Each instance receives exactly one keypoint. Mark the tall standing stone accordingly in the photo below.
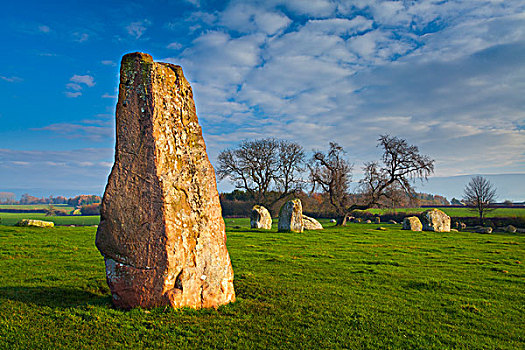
(161, 231)
(291, 217)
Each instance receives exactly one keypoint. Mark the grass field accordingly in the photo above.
(459, 212)
(352, 287)
(13, 218)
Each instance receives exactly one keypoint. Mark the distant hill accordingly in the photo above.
(508, 186)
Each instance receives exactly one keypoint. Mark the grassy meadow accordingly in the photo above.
(13, 218)
(352, 287)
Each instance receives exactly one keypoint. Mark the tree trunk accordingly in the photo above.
(341, 221)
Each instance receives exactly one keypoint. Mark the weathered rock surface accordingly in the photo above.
(510, 229)
(260, 218)
(35, 223)
(484, 230)
(412, 223)
(435, 220)
(311, 224)
(291, 217)
(161, 231)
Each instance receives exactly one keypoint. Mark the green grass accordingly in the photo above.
(352, 287)
(36, 206)
(459, 212)
(13, 218)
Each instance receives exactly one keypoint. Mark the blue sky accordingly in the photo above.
(446, 75)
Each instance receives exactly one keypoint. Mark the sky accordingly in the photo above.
(447, 76)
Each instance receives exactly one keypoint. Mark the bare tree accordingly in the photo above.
(400, 165)
(479, 195)
(267, 169)
(333, 173)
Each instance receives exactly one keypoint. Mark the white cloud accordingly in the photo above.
(80, 37)
(83, 79)
(195, 3)
(106, 95)
(426, 71)
(108, 63)
(246, 18)
(44, 29)
(73, 94)
(174, 46)
(313, 8)
(137, 29)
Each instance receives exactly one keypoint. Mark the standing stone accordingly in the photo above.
(412, 223)
(435, 220)
(484, 230)
(510, 229)
(161, 231)
(260, 218)
(35, 223)
(311, 224)
(291, 217)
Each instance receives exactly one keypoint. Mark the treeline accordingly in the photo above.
(239, 203)
(77, 201)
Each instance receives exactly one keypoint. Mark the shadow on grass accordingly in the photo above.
(60, 297)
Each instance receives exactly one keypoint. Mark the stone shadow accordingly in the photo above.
(56, 297)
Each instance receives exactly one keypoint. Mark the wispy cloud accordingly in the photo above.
(108, 63)
(174, 46)
(74, 86)
(74, 89)
(80, 37)
(83, 79)
(106, 95)
(78, 169)
(137, 29)
(71, 94)
(44, 29)
(93, 131)
(11, 79)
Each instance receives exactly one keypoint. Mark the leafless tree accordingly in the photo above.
(333, 173)
(400, 165)
(479, 195)
(267, 169)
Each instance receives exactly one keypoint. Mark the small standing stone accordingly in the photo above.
(484, 230)
(311, 224)
(35, 223)
(435, 220)
(291, 217)
(510, 229)
(412, 223)
(260, 218)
